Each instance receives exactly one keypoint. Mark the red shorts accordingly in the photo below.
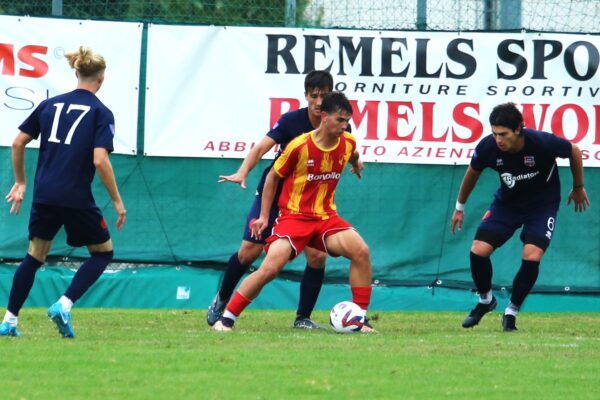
(304, 231)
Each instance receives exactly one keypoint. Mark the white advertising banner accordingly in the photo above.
(418, 97)
(33, 68)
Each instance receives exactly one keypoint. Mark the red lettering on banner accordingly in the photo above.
(394, 115)
(472, 124)
(403, 152)
(7, 58)
(224, 146)
(583, 122)
(371, 112)
(240, 146)
(466, 126)
(597, 135)
(39, 67)
(209, 146)
(529, 117)
(33, 67)
(428, 124)
(277, 108)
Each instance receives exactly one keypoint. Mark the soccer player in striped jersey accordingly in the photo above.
(310, 167)
(292, 124)
(76, 135)
(528, 197)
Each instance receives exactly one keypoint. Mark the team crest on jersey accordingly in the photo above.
(499, 162)
(529, 161)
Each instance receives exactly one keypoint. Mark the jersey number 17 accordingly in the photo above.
(59, 107)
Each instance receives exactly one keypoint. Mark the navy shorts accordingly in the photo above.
(84, 226)
(253, 214)
(500, 222)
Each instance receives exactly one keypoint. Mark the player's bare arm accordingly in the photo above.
(357, 164)
(17, 192)
(253, 157)
(268, 195)
(578, 195)
(107, 175)
(466, 187)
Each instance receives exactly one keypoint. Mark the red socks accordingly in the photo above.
(238, 303)
(361, 295)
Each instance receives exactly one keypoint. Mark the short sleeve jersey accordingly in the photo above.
(69, 127)
(529, 177)
(311, 174)
(288, 127)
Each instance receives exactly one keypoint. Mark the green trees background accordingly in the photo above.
(217, 12)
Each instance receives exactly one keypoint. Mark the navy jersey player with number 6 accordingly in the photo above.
(528, 197)
(76, 135)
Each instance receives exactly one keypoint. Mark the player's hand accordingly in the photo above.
(457, 220)
(121, 212)
(357, 168)
(580, 198)
(15, 196)
(257, 227)
(235, 178)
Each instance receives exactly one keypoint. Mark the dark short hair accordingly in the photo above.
(336, 101)
(318, 80)
(507, 114)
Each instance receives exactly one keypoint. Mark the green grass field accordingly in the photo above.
(167, 354)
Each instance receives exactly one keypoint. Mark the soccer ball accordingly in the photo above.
(346, 317)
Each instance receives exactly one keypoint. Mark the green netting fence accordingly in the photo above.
(455, 15)
(179, 215)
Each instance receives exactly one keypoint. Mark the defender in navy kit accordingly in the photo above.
(528, 197)
(76, 135)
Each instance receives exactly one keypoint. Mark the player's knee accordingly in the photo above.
(248, 253)
(316, 259)
(532, 253)
(267, 273)
(481, 248)
(361, 254)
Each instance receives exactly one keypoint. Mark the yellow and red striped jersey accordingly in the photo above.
(311, 174)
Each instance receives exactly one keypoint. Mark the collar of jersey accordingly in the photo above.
(314, 140)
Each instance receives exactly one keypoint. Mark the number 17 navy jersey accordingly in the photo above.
(70, 126)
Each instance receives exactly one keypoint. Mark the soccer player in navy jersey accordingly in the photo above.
(310, 168)
(316, 85)
(528, 197)
(76, 135)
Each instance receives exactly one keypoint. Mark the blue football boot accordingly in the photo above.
(62, 320)
(7, 329)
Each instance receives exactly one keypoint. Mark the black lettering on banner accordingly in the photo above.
(593, 60)
(514, 59)
(387, 52)
(274, 53)
(540, 57)
(365, 45)
(311, 49)
(421, 61)
(465, 59)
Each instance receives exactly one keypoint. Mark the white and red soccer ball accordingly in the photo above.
(346, 317)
